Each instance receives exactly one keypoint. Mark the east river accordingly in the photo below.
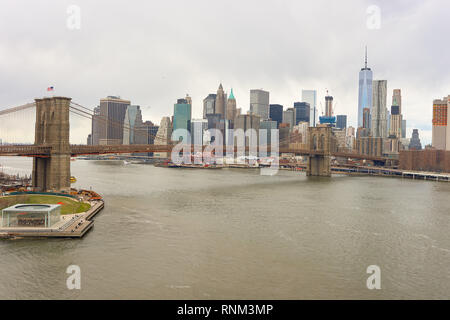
(235, 234)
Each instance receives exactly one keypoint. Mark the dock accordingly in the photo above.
(389, 172)
(378, 171)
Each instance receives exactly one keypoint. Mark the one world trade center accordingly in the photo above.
(365, 91)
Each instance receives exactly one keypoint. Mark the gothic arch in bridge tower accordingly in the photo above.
(319, 145)
(321, 142)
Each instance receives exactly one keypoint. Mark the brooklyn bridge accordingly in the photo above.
(52, 150)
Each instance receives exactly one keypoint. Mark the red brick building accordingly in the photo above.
(425, 160)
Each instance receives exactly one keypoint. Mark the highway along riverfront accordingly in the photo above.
(235, 234)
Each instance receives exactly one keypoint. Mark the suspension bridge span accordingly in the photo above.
(52, 150)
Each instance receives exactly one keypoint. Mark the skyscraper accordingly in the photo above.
(379, 110)
(213, 120)
(231, 107)
(188, 100)
(209, 105)
(133, 119)
(163, 136)
(328, 106)
(365, 91)
(310, 96)
(341, 121)
(441, 131)
(182, 115)
(367, 119)
(248, 122)
(145, 133)
(220, 102)
(396, 121)
(397, 99)
(198, 127)
(111, 119)
(267, 125)
(328, 119)
(302, 112)
(395, 126)
(403, 128)
(276, 113)
(259, 103)
(95, 130)
(350, 138)
(415, 141)
(395, 129)
(289, 117)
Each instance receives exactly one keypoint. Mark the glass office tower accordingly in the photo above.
(365, 91)
(310, 96)
(182, 115)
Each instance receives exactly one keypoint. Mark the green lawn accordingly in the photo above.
(68, 205)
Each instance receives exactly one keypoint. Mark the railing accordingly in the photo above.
(16, 193)
(109, 149)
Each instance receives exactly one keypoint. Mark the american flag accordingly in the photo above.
(50, 89)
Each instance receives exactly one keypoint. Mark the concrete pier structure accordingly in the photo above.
(52, 129)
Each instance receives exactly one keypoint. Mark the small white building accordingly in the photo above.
(31, 215)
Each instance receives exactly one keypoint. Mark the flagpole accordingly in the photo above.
(52, 89)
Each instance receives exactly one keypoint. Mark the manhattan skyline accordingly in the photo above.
(152, 61)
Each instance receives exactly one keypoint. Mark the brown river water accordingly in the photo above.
(235, 234)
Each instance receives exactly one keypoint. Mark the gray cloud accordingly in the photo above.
(154, 52)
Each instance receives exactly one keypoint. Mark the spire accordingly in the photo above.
(366, 58)
(231, 95)
(220, 87)
(366, 68)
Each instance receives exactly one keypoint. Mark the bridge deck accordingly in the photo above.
(43, 151)
(24, 150)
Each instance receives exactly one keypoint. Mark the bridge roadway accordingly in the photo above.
(25, 150)
(45, 151)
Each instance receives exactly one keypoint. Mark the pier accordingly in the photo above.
(380, 171)
(70, 226)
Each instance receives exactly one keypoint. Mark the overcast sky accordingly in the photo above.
(153, 52)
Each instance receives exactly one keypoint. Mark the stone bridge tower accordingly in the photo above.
(319, 143)
(52, 129)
